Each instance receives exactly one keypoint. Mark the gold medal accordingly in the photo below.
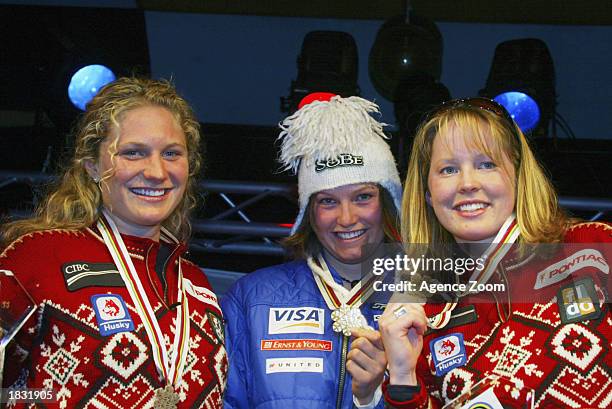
(165, 398)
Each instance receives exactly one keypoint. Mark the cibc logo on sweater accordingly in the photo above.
(296, 320)
(111, 313)
(81, 274)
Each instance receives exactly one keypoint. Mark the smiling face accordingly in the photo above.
(347, 218)
(471, 194)
(148, 172)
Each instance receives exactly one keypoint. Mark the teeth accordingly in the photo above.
(470, 207)
(149, 192)
(350, 234)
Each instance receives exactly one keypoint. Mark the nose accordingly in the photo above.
(469, 181)
(348, 215)
(155, 169)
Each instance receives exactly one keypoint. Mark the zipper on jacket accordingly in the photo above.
(163, 275)
(344, 352)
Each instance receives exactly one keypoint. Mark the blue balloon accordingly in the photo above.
(86, 82)
(522, 108)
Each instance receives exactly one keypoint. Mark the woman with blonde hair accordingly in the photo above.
(474, 186)
(122, 318)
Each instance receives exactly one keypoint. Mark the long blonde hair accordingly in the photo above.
(74, 201)
(538, 214)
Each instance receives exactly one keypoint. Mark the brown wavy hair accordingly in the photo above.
(74, 201)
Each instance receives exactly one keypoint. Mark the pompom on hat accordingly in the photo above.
(333, 141)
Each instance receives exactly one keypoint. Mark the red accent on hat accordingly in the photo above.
(315, 96)
(289, 225)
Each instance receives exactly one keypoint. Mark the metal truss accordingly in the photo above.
(246, 236)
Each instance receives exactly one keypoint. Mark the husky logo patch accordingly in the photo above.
(111, 310)
(448, 352)
(111, 314)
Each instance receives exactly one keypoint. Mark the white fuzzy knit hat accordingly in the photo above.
(335, 143)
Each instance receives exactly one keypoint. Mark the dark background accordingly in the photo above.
(234, 60)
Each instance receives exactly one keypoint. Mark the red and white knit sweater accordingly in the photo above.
(62, 270)
(566, 365)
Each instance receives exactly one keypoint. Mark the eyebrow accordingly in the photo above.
(444, 161)
(367, 187)
(144, 145)
(479, 155)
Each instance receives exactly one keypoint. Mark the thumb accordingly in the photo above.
(371, 335)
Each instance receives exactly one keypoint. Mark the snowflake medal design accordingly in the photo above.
(347, 318)
(166, 398)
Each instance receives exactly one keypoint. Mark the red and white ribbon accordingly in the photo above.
(170, 368)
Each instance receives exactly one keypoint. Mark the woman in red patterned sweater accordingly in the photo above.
(543, 334)
(122, 319)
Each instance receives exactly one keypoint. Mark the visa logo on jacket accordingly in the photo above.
(296, 320)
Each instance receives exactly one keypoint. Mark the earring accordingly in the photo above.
(96, 179)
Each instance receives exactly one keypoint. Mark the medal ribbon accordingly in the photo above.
(508, 234)
(334, 294)
(173, 372)
(442, 318)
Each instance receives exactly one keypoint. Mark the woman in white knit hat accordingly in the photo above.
(299, 334)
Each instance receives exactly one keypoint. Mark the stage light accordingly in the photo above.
(405, 65)
(522, 79)
(414, 97)
(327, 63)
(522, 108)
(45, 57)
(405, 46)
(86, 82)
